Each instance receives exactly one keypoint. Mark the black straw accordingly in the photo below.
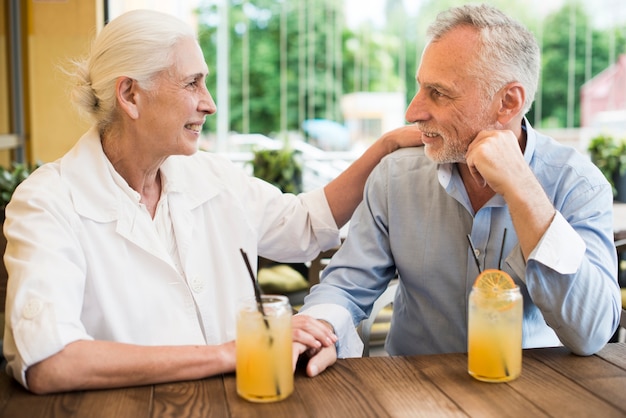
(501, 250)
(255, 284)
(469, 239)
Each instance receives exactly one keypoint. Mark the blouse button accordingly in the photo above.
(32, 309)
(197, 285)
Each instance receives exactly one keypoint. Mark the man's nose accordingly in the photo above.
(417, 110)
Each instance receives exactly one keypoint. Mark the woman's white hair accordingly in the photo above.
(509, 51)
(138, 45)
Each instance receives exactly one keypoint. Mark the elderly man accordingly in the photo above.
(483, 171)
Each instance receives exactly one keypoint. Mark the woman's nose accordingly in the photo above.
(207, 104)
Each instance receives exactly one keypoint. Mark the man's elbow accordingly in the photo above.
(586, 349)
(590, 345)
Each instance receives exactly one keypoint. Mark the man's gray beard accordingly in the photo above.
(456, 157)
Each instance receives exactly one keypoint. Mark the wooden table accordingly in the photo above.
(553, 383)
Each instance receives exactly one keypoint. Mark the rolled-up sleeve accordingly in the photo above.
(35, 335)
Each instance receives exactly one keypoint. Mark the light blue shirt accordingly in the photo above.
(414, 220)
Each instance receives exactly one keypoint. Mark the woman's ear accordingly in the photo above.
(125, 91)
(512, 98)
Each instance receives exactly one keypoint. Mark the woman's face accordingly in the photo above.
(171, 114)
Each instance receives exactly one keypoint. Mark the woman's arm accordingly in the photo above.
(346, 191)
(87, 364)
(104, 364)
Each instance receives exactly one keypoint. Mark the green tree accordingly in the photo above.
(258, 23)
(311, 88)
(555, 63)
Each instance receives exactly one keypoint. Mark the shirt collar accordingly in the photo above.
(99, 192)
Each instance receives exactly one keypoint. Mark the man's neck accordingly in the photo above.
(477, 193)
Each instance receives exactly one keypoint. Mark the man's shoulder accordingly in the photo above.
(550, 151)
(407, 163)
(408, 151)
(563, 167)
(408, 155)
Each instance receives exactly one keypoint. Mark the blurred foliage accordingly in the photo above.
(555, 61)
(11, 177)
(609, 155)
(317, 75)
(281, 167)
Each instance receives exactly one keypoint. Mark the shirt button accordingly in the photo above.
(476, 252)
(32, 309)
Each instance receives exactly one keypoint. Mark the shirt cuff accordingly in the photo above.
(560, 248)
(349, 343)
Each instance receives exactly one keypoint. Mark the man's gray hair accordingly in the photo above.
(509, 51)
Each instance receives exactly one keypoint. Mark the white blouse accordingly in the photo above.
(86, 261)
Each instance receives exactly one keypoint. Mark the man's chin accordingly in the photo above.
(440, 157)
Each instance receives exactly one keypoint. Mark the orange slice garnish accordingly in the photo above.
(494, 280)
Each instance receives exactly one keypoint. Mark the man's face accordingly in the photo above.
(450, 107)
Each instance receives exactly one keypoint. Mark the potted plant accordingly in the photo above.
(609, 155)
(282, 167)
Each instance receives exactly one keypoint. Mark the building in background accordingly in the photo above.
(368, 115)
(605, 92)
(603, 103)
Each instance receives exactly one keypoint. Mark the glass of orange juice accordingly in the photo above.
(495, 328)
(264, 371)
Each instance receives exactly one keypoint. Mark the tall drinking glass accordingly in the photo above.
(495, 334)
(264, 350)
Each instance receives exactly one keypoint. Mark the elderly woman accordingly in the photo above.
(123, 255)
